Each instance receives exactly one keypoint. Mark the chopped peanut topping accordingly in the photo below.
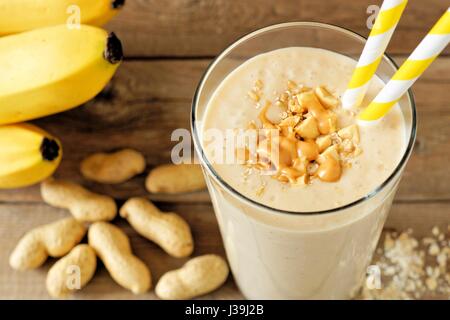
(329, 152)
(329, 170)
(323, 142)
(267, 124)
(289, 122)
(308, 129)
(326, 98)
(351, 133)
(309, 101)
(307, 141)
(292, 86)
(308, 149)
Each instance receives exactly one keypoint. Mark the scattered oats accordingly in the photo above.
(247, 172)
(335, 138)
(441, 259)
(410, 286)
(436, 272)
(254, 96)
(428, 241)
(388, 242)
(411, 269)
(429, 271)
(433, 249)
(357, 152)
(419, 283)
(260, 190)
(284, 97)
(259, 84)
(389, 271)
(431, 283)
(291, 85)
(256, 93)
(435, 231)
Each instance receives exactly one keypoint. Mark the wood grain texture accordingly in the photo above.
(206, 27)
(147, 100)
(16, 219)
(151, 96)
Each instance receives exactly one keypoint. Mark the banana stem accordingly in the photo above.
(117, 4)
(113, 51)
(49, 149)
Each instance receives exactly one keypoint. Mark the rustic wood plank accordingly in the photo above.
(205, 27)
(16, 219)
(421, 217)
(147, 100)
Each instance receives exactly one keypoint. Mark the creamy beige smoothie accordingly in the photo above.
(381, 145)
(278, 255)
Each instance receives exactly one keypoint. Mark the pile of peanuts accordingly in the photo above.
(92, 213)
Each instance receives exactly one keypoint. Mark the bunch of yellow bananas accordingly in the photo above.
(50, 61)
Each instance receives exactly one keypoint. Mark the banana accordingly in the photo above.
(53, 69)
(23, 15)
(27, 155)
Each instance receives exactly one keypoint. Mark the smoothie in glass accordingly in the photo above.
(302, 224)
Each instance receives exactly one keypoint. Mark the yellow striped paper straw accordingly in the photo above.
(421, 58)
(385, 24)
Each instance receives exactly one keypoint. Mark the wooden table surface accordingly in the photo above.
(168, 45)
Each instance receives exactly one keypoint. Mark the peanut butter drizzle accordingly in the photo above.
(308, 149)
(330, 170)
(267, 124)
(288, 152)
(310, 102)
(297, 153)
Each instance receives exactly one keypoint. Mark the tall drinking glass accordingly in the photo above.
(276, 254)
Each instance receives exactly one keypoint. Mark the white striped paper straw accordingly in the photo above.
(385, 24)
(421, 58)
